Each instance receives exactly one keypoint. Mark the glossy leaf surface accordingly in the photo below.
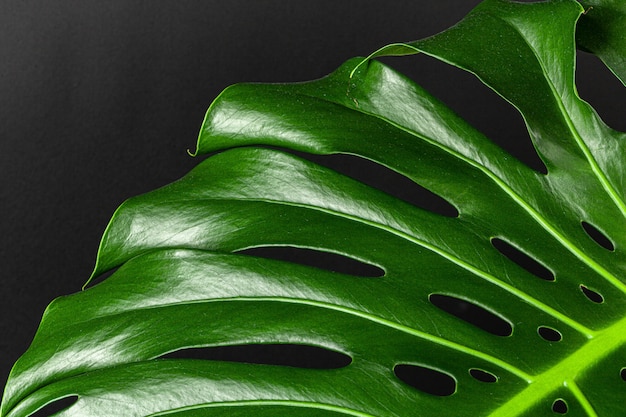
(517, 254)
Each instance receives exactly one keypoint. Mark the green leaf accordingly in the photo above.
(185, 278)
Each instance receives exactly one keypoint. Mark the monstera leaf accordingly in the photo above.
(509, 301)
(602, 32)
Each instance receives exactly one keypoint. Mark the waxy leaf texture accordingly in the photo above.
(540, 255)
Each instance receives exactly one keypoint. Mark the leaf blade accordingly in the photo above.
(179, 285)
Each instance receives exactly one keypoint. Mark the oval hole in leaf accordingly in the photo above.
(56, 406)
(592, 295)
(522, 259)
(298, 356)
(483, 376)
(597, 236)
(549, 334)
(622, 373)
(473, 314)
(428, 380)
(559, 406)
(317, 259)
(386, 180)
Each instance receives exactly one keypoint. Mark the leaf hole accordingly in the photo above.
(592, 295)
(597, 236)
(56, 406)
(595, 83)
(549, 334)
(462, 91)
(559, 406)
(387, 180)
(102, 277)
(622, 373)
(294, 355)
(473, 314)
(318, 259)
(522, 259)
(483, 376)
(428, 380)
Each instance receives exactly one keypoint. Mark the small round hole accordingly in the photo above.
(549, 334)
(428, 380)
(592, 295)
(622, 373)
(483, 376)
(559, 406)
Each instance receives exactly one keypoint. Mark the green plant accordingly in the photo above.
(559, 344)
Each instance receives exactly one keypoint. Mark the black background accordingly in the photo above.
(99, 101)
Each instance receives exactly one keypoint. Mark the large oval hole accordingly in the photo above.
(549, 334)
(55, 407)
(298, 356)
(428, 380)
(386, 180)
(597, 236)
(483, 376)
(317, 259)
(522, 259)
(473, 314)
(461, 90)
(622, 373)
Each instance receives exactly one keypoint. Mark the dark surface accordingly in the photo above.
(99, 101)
